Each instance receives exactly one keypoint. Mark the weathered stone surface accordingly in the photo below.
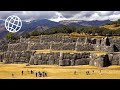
(67, 62)
(72, 62)
(31, 60)
(115, 60)
(19, 52)
(51, 62)
(61, 63)
(77, 62)
(35, 62)
(39, 62)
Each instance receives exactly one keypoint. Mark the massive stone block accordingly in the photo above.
(39, 62)
(61, 63)
(51, 62)
(31, 60)
(35, 62)
(72, 62)
(67, 62)
(115, 60)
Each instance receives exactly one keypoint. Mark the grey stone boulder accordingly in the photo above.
(72, 62)
(61, 63)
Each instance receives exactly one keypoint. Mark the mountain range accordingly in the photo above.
(44, 24)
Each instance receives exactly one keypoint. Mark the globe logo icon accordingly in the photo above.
(13, 23)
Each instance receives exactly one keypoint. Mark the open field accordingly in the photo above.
(58, 72)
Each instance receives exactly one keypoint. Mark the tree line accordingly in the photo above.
(91, 30)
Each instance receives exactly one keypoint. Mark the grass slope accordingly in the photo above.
(111, 27)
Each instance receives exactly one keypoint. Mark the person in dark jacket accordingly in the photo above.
(22, 72)
(12, 75)
(36, 74)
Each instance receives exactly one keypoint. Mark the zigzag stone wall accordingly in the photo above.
(21, 52)
(67, 43)
(66, 59)
(62, 59)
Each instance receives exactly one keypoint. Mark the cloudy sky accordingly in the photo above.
(63, 15)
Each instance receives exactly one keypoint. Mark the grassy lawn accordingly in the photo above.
(58, 72)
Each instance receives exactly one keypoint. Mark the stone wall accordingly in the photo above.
(53, 42)
(66, 59)
(107, 44)
(116, 42)
(99, 60)
(20, 52)
(62, 59)
(105, 60)
(17, 47)
(3, 46)
(16, 57)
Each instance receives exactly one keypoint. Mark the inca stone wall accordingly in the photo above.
(64, 59)
(106, 44)
(105, 60)
(16, 57)
(17, 47)
(66, 43)
(21, 52)
(3, 46)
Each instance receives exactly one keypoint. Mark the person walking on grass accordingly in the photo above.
(40, 74)
(12, 75)
(22, 72)
(31, 72)
(36, 74)
(88, 73)
(75, 72)
(46, 74)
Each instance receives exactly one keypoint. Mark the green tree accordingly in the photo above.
(35, 33)
(10, 36)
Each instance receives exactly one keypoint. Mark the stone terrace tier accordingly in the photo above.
(54, 42)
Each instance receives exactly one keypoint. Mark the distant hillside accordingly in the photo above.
(27, 27)
(45, 24)
(113, 25)
(83, 23)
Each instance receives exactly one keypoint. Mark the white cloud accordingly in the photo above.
(63, 15)
(114, 17)
(105, 13)
(58, 17)
(96, 15)
(28, 15)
